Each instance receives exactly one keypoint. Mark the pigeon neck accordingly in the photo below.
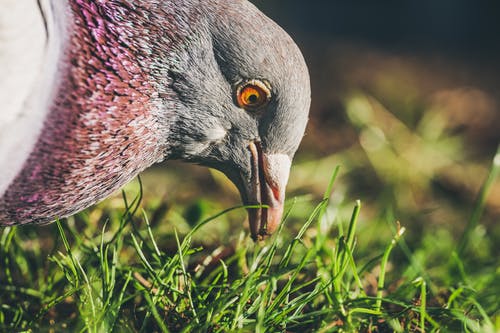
(102, 125)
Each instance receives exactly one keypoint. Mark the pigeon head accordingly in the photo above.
(243, 97)
(131, 83)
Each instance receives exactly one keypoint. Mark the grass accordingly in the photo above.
(114, 270)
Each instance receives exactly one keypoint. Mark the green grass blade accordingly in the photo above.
(480, 203)
(383, 265)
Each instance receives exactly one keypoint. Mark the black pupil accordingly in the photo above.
(253, 98)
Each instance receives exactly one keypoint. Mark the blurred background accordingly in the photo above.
(405, 99)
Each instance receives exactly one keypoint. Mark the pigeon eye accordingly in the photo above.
(252, 95)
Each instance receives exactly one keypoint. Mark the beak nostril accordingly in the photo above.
(276, 192)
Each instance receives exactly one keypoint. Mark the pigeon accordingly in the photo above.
(95, 91)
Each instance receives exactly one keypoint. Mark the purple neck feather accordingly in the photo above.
(104, 123)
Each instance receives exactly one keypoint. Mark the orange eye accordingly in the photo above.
(252, 95)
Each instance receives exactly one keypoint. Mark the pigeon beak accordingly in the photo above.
(269, 176)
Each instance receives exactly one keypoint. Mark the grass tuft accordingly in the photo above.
(122, 273)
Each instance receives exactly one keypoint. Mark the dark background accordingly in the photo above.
(459, 27)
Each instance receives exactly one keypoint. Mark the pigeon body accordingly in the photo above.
(112, 87)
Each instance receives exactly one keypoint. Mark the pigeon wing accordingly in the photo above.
(28, 60)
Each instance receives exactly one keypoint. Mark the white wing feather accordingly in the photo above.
(28, 60)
